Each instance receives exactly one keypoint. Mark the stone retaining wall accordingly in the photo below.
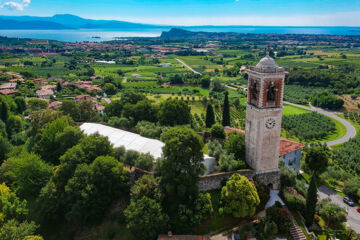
(214, 181)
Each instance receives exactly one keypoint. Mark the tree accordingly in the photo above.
(236, 144)
(205, 81)
(3, 110)
(14, 230)
(210, 117)
(21, 104)
(145, 218)
(145, 161)
(316, 159)
(71, 108)
(114, 109)
(11, 207)
(311, 201)
(332, 213)
(93, 187)
(110, 89)
(14, 125)
(351, 187)
(37, 104)
(52, 138)
(87, 111)
(217, 87)
(226, 111)
(58, 87)
(227, 162)
(217, 131)
(5, 148)
(239, 196)
(174, 112)
(146, 186)
(288, 177)
(180, 172)
(27, 174)
(142, 110)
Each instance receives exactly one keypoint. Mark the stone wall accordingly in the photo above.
(214, 181)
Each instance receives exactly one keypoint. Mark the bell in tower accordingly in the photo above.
(263, 114)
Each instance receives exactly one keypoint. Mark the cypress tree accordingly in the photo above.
(311, 202)
(226, 111)
(210, 117)
(3, 111)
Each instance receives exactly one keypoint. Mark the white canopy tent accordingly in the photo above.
(132, 141)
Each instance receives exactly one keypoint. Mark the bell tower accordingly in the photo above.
(263, 114)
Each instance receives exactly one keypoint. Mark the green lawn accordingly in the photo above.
(292, 110)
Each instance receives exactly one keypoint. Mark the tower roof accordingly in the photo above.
(267, 62)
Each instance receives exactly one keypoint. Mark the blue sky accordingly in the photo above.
(199, 12)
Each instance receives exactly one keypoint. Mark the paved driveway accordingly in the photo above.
(350, 130)
(353, 218)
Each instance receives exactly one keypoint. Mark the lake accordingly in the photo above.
(96, 35)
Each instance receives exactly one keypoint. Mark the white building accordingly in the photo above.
(132, 141)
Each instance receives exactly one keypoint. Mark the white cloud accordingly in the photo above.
(15, 5)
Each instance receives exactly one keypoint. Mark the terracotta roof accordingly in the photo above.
(44, 92)
(82, 96)
(90, 88)
(286, 146)
(8, 91)
(10, 85)
(55, 105)
(48, 87)
(100, 108)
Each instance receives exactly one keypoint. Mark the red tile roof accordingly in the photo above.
(100, 108)
(8, 91)
(286, 146)
(55, 105)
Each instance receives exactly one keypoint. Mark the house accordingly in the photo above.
(44, 93)
(90, 88)
(55, 105)
(100, 109)
(290, 151)
(164, 65)
(8, 91)
(40, 81)
(10, 86)
(83, 98)
(49, 87)
(79, 83)
(136, 76)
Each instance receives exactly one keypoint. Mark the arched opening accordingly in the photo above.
(270, 186)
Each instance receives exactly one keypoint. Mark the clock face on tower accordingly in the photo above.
(270, 123)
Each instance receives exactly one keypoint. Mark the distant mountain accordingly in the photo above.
(33, 25)
(181, 34)
(71, 21)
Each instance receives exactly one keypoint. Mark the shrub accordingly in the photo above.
(217, 131)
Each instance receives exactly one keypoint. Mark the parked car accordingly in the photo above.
(348, 201)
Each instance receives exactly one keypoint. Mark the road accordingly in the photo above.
(353, 218)
(350, 130)
(187, 66)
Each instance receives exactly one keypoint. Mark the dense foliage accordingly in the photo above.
(240, 196)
